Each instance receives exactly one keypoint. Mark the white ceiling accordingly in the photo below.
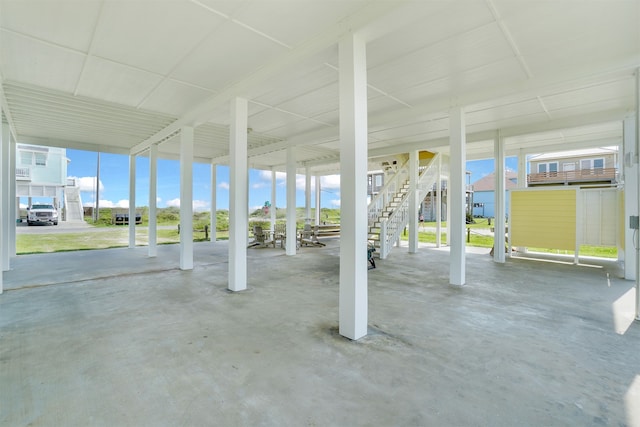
(116, 75)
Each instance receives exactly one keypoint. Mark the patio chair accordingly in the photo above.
(309, 236)
(280, 234)
(261, 238)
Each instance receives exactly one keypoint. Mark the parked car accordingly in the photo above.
(42, 214)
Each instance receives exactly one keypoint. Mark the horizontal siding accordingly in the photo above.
(543, 219)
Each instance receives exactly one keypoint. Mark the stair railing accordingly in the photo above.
(386, 193)
(391, 227)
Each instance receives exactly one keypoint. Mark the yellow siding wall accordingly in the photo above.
(543, 219)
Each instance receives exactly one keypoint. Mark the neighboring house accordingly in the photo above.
(41, 174)
(579, 167)
(484, 199)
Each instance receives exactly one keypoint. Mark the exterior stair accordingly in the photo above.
(73, 202)
(389, 209)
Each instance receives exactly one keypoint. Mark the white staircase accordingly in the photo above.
(73, 204)
(389, 209)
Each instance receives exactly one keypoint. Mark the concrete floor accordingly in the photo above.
(525, 343)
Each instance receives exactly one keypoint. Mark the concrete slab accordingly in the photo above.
(524, 343)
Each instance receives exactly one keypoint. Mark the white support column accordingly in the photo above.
(456, 195)
(499, 223)
(186, 198)
(273, 200)
(353, 299)
(153, 200)
(413, 202)
(238, 195)
(214, 205)
(637, 194)
(291, 202)
(630, 174)
(307, 195)
(132, 201)
(5, 185)
(317, 178)
(12, 197)
(4, 131)
(522, 169)
(439, 204)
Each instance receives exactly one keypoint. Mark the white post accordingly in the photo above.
(307, 195)
(291, 203)
(456, 195)
(273, 200)
(353, 299)
(499, 223)
(214, 205)
(5, 185)
(439, 204)
(317, 200)
(3, 140)
(522, 169)
(630, 176)
(12, 196)
(153, 200)
(186, 198)
(413, 202)
(238, 195)
(637, 194)
(132, 201)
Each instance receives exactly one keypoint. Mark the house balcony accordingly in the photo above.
(584, 176)
(23, 174)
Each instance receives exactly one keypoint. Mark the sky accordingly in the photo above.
(114, 182)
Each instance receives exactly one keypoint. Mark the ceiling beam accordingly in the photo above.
(201, 113)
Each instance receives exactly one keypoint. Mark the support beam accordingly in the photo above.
(307, 195)
(318, 199)
(413, 202)
(12, 196)
(274, 208)
(238, 196)
(456, 194)
(3, 135)
(353, 299)
(499, 224)
(132, 201)
(291, 202)
(630, 176)
(522, 169)
(214, 205)
(439, 204)
(637, 195)
(153, 200)
(186, 198)
(5, 185)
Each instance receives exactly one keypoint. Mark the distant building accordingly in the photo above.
(578, 167)
(484, 198)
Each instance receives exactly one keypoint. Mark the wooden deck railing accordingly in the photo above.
(566, 177)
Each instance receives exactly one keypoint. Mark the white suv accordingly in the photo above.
(42, 214)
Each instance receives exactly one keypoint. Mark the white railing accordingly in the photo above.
(391, 227)
(386, 193)
(23, 173)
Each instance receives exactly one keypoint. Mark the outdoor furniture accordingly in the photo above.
(261, 238)
(309, 236)
(280, 234)
(370, 250)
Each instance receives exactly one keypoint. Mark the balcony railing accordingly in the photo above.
(568, 177)
(23, 174)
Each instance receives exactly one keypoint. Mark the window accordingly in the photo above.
(26, 158)
(592, 166)
(551, 168)
(41, 159)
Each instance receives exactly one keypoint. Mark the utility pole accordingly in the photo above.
(97, 206)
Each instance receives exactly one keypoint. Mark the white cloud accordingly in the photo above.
(335, 203)
(158, 200)
(109, 204)
(266, 176)
(330, 182)
(87, 183)
(258, 185)
(198, 205)
(223, 185)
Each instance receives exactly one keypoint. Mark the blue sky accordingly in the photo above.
(114, 182)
